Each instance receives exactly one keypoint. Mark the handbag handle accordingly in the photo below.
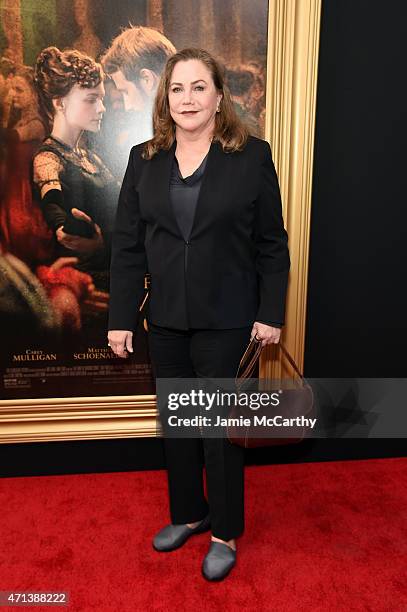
(291, 360)
(250, 366)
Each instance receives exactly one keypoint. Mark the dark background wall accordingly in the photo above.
(357, 307)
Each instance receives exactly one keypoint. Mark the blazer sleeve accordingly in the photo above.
(271, 239)
(128, 264)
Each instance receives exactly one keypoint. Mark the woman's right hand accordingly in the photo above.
(120, 341)
(82, 245)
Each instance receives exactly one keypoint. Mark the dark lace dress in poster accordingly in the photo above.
(87, 184)
(70, 179)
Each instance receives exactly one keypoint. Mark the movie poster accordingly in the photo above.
(67, 124)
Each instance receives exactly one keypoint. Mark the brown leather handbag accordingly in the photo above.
(293, 402)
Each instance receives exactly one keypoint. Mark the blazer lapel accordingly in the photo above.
(211, 192)
(158, 187)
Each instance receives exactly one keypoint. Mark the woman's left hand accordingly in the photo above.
(266, 333)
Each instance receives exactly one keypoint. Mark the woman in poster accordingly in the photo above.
(22, 226)
(78, 192)
(200, 208)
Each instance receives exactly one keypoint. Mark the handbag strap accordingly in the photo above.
(290, 359)
(250, 366)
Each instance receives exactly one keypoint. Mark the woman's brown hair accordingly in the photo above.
(229, 130)
(56, 72)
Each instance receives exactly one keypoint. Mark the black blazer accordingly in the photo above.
(234, 268)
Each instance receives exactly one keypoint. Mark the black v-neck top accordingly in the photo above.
(184, 193)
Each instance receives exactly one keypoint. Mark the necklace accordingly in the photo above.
(77, 152)
(86, 164)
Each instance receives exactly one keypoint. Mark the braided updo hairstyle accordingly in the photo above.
(56, 72)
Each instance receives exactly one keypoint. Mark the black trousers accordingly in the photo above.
(202, 353)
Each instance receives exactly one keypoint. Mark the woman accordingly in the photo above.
(22, 225)
(78, 192)
(200, 210)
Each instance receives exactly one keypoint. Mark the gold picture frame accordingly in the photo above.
(292, 67)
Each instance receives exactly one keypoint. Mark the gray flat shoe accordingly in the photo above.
(173, 536)
(218, 561)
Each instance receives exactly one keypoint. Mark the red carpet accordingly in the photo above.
(320, 537)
